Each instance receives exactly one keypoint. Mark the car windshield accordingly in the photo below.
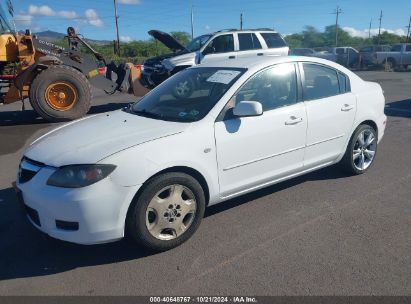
(187, 96)
(196, 44)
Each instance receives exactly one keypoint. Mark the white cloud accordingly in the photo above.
(374, 31)
(207, 27)
(23, 20)
(68, 14)
(43, 10)
(125, 38)
(93, 18)
(129, 2)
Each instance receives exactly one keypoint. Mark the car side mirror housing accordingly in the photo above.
(248, 108)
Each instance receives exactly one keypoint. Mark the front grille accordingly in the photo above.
(33, 215)
(28, 169)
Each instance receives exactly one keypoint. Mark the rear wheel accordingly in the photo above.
(389, 65)
(361, 150)
(167, 212)
(60, 93)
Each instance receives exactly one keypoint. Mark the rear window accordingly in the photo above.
(273, 40)
(248, 41)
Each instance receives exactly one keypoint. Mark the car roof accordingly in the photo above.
(262, 30)
(257, 63)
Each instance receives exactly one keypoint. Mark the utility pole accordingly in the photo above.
(408, 31)
(379, 29)
(118, 35)
(337, 12)
(369, 29)
(192, 20)
(241, 21)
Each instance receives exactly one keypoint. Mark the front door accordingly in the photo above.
(252, 151)
(221, 47)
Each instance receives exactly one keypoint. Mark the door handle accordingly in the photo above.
(293, 120)
(231, 57)
(260, 54)
(346, 107)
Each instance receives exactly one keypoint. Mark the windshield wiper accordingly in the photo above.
(144, 113)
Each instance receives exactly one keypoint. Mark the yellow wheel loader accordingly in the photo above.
(57, 81)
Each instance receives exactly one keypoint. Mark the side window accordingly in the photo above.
(273, 88)
(248, 41)
(344, 83)
(319, 82)
(221, 44)
(408, 48)
(273, 40)
(340, 51)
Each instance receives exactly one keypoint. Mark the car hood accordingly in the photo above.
(94, 138)
(167, 40)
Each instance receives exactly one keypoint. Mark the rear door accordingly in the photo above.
(249, 45)
(331, 111)
(219, 48)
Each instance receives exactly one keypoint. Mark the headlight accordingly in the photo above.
(77, 176)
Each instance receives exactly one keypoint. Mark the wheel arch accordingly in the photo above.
(181, 169)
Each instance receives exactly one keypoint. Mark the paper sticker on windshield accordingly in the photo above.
(223, 76)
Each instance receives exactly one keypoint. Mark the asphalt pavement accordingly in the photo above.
(324, 233)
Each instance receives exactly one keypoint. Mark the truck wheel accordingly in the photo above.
(389, 65)
(60, 93)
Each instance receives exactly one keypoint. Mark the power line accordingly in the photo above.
(118, 35)
(369, 29)
(379, 29)
(192, 21)
(337, 13)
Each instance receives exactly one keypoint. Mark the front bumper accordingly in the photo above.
(89, 215)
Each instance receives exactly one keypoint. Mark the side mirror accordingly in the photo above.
(248, 108)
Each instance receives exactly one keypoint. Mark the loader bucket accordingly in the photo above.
(135, 75)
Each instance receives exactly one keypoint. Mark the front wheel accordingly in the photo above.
(60, 93)
(361, 150)
(167, 212)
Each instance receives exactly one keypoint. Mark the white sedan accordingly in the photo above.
(205, 135)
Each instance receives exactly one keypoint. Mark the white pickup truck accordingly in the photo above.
(398, 57)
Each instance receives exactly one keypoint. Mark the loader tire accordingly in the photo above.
(60, 93)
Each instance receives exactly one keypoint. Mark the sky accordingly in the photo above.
(95, 18)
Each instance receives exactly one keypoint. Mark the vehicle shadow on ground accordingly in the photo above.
(400, 108)
(30, 117)
(28, 253)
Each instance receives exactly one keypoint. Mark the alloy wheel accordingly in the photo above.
(364, 150)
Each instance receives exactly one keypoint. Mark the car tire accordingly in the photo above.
(161, 217)
(60, 93)
(361, 150)
(389, 65)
